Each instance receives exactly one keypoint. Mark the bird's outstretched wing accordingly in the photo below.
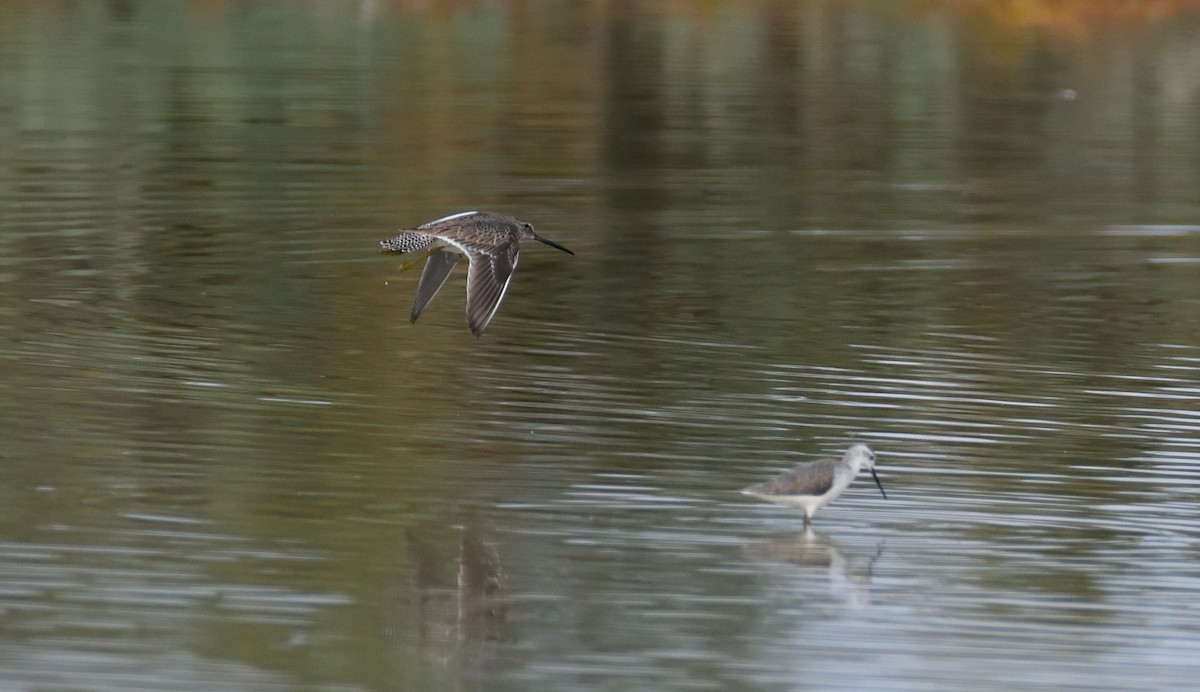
(488, 278)
(433, 277)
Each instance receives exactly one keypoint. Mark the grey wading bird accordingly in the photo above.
(814, 484)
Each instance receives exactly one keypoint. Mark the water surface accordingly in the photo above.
(966, 235)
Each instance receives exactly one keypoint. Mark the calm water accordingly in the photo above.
(968, 234)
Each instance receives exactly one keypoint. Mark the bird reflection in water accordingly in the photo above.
(814, 554)
(457, 606)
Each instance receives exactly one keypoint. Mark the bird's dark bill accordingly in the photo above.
(878, 483)
(553, 244)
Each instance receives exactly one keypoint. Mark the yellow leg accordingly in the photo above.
(405, 266)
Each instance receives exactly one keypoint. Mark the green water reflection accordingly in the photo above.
(966, 232)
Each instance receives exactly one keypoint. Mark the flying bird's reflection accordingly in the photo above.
(456, 606)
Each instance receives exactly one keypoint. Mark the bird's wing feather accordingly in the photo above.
(488, 278)
(433, 277)
(815, 478)
(453, 217)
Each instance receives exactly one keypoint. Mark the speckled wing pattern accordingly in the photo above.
(814, 478)
(492, 246)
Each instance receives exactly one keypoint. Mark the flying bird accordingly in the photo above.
(490, 242)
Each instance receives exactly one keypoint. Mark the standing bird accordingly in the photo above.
(491, 244)
(814, 484)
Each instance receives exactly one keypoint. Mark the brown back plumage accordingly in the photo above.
(491, 244)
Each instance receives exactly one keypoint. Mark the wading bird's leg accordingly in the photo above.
(405, 266)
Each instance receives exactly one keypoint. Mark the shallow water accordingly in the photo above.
(967, 236)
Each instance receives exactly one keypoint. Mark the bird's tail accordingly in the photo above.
(406, 241)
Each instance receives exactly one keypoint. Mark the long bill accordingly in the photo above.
(553, 244)
(878, 483)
